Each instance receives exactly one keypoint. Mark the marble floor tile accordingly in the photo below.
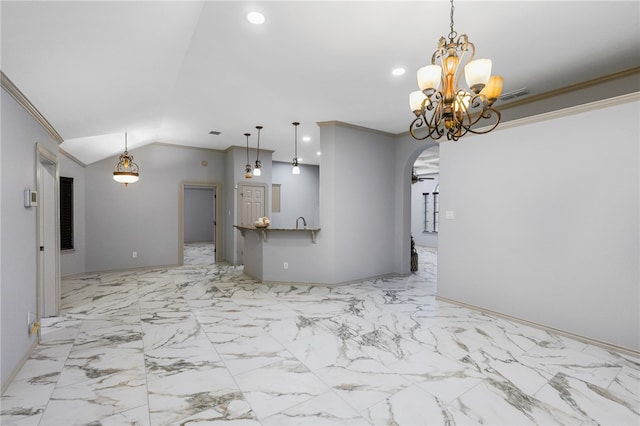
(246, 354)
(442, 377)
(88, 401)
(193, 355)
(414, 406)
(324, 350)
(325, 409)
(279, 386)
(363, 382)
(500, 403)
(204, 344)
(196, 393)
(588, 401)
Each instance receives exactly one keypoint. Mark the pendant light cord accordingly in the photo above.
(258, 153)
(247, 135)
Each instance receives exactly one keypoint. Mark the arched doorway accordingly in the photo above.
(425, 192)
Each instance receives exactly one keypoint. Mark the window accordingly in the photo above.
(431, 210)
(66, 213)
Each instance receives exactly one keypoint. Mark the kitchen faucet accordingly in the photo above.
(304, 222)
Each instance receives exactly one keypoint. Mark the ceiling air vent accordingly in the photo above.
(514, 94)
(214, 132)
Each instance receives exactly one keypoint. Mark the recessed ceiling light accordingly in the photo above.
(318, 153)
(398, 71)
(255, 18)
(306, 138)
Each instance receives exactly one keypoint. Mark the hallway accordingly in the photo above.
(204, 344)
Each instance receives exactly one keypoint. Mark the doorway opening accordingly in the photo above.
(425, 196)
(200, 238)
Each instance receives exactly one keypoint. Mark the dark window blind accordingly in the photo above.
(66, 213)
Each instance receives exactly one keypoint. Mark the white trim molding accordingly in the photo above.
(591, 106)
(13, 90)
(583, 339)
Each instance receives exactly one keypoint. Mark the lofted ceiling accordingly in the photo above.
(171, 72)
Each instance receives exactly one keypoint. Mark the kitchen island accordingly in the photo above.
(280, 254)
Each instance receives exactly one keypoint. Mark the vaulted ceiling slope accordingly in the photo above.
(172, 72)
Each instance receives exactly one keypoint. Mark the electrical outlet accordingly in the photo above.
(286, 265)
(31, 318)
(134, 254)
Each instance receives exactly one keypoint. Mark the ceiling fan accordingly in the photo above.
(415, 178)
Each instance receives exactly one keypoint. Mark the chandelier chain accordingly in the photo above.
(453, 33)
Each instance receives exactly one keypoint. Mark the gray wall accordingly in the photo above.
(74, 261)
(356, 217)
(198, 214)
(300, 195)
(142, 217)
(559, 245)
(357, 220)
(18, 138)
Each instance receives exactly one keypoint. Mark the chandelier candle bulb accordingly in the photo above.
(493, 89)
(477, 74)
(429, 77)
(415, 101)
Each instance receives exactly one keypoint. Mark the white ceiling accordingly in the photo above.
(173, 71)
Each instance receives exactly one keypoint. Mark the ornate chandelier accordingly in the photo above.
(126, 171)
(443, 107)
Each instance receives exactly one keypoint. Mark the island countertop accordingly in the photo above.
(266, 230)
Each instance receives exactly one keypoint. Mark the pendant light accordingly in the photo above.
(247, 167)
(126, 171)
(296, 168)
(256, 171)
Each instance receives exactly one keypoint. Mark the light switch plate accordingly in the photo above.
(449, 215)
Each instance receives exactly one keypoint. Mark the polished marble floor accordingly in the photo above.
(205, 345)
(202, 253)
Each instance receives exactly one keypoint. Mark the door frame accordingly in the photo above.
(46, 157)
(217, 188)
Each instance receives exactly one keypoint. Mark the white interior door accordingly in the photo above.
(48, 280)
(251, 206)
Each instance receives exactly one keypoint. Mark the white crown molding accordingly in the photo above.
(72, 158)
(354, 126)
(13, 90)
(591, 106)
